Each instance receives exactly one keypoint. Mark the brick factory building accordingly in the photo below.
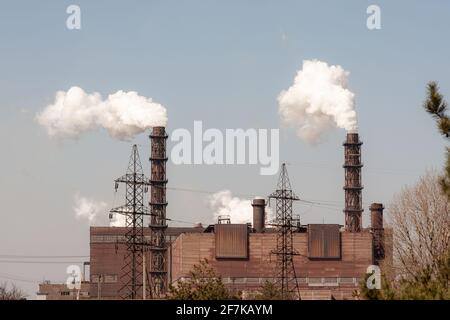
(59, 291)
(107, 251)
(330, 262)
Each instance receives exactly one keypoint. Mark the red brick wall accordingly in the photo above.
(107, 251)
(188, 249)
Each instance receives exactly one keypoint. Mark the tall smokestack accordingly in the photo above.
(353, 187)
(259, 206)
(376, 219)
(158, 204)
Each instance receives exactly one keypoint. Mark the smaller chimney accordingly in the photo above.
(376, 219)
(376, 215)
(259, 216)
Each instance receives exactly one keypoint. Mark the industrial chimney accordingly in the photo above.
(259, 216)
(158, 221)
(376, 217)
(353, 187)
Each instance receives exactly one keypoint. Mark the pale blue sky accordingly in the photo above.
(222, 62)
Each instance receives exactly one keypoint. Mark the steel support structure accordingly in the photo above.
(158, 221)
(353, 186)
(286, 278)
(134, 211)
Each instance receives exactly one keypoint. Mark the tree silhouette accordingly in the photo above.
(437, 107)
(203, 283)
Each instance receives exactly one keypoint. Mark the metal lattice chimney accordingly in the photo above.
(158, 222)
(353, 187)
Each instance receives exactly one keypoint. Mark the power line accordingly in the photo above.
(322, 204)
(208, 192)
(40, 257)
(17, 278)
(20, 280)
(39, 262)
(367, 169)
(316, 202)
(331, 202)
(313, 204)
(181, 221)
(333, 205)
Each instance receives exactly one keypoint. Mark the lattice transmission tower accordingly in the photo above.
(134, 211)
(286, 277)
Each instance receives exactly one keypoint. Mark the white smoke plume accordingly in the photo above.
(318, 101)
(118, 220)
(240, 210)
(122, 114)
(95, 212)
(89, 209)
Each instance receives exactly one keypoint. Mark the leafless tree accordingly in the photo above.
(420, 218)
(12, 293)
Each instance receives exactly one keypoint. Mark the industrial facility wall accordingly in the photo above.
(339, 276)
(107, 251)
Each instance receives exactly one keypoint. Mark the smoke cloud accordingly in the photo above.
(318, 101)
(118, 220)
(122, 114)
(240, 210)
(95, 212)
(89, 209)
(223, 203)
